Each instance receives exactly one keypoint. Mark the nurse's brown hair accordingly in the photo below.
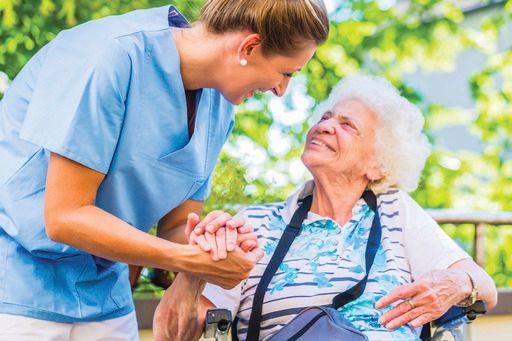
(285, 26)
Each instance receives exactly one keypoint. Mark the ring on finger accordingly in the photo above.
(411, 304)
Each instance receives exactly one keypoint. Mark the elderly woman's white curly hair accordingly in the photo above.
(401, 146)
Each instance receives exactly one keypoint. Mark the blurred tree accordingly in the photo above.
(492, 90)
(29, 24)
(384, 37)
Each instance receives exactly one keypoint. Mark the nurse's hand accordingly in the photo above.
(219, 233)
(203, 233)
(246, 239)
(215, 220)
(225, 273)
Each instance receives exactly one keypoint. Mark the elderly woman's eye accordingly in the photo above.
(349, 126)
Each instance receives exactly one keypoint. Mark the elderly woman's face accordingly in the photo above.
(342, 141)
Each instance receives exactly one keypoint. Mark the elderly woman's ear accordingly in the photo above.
(375, 174)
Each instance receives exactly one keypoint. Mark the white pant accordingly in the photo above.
(21, 328)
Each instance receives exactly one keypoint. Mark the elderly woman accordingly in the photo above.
(368, 137)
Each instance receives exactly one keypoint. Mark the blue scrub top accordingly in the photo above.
(109, 95)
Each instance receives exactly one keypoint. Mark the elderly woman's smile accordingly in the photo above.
(318, 142)
(343, 140)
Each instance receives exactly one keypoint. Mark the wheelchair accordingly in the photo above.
(452, 326)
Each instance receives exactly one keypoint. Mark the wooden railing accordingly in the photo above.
(478, 219)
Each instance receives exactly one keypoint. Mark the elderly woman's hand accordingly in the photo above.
(426, 299)
(219, 233)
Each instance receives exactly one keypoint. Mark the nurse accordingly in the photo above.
(114, 126)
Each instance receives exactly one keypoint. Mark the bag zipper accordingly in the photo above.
(307, 326)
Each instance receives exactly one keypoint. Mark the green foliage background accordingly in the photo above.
(392, 41)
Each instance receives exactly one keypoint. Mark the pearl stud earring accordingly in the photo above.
(243, 62)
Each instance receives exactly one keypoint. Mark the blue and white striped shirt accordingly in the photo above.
(326, 259)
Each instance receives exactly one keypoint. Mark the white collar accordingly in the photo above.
(303, 191)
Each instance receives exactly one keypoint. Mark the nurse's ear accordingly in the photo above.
(247, 47)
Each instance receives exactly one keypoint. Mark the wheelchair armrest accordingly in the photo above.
(452, 322)
(479, 308)
(471, 312)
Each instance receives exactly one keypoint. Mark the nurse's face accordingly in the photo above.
(264, 73)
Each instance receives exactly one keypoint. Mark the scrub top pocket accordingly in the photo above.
(23, 194)
(43, 277)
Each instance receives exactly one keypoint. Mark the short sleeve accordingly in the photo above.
(204, 191)
(78, 102)
(428, 247)
(223, 298)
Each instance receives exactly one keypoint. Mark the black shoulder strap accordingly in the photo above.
(291, 231)
(371, 250)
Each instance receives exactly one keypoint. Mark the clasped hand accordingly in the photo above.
(177, 313)
(220, 233)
